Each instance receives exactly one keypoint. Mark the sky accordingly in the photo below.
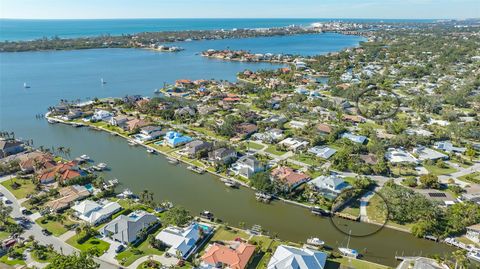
(98, 9)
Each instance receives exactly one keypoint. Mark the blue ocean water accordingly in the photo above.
(15, 29)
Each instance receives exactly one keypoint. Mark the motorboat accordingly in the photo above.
(314, 241)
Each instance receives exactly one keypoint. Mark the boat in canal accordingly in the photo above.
(231, 183)
(207, 215)
(196, 169)
(100, 167)
(263, 197)
(151, 151)
(85, 157)
(349, 252)
(314, 241)
(318, 211)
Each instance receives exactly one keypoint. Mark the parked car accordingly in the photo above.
(120, 248)
(46, 232)
(6, 201)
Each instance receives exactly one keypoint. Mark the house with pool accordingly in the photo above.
(174, 139)
(183, 241)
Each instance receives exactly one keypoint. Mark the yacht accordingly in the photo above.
(151, 151)
(103, 81)
(348, 252)
(314, 241)
(85, 157)
(25, 85)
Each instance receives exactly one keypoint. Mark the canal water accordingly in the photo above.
(76, 75)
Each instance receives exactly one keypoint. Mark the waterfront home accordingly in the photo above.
(288, 177)
(148, 133)
(330, 185)
(400, 156)
(473, 233)
(359, 139)
(175, 139)
(234, 255)
(134, 124)
(420, 263)
(10, 146)
(448, 147)
(67, 195)
(119, 120)
(182, 240)
(294, 143)
(197, 146)
(35, 161)
(324, 128)
(131, 98)
(93, 212)
(61, 172)
(322, 151)
(246, 166)
(101, 115)
(299, 258)
(126, 229)
(73, 114)
(222, 155)
(424, 153)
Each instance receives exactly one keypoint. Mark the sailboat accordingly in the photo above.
(103, 81)
(348, 252)
(25, 85)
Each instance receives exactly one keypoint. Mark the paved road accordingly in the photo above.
(35, 230)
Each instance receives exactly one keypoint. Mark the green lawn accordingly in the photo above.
(132, 254)
(55, 227)
(4, 235)
(253, 145)
(352, 263)
(433, 169)
(4, 259)
(308, 159)
(272, 149)
(93, 242)
(472, 178)
(26, 188)
(352, 209)
(223, 234)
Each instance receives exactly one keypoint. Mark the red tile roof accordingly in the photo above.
(237, 258)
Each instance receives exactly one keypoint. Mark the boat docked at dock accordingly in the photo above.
(127, 193)
(172, 160)
(51, 121)
(231, 183)
(196, 169)
(318, 211)
(100, 167)
(316, 242)
(151, 151)
(263, 197)
(348, 252)
(85, 157)
(207, 215)
(132, 143)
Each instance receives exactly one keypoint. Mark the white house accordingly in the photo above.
(424, 153)
(322, 151)
(101, 115)
(93, 212)
(182, 240)
(297, 124)
(298, 258)
(448, 147)
(332, 183)
(400, 156)
(293, 144)
(360, 139)
(246, 166)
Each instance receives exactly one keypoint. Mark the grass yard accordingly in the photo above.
(352, 263)
(26, 187)
(472, 178)
(272, 149)
(222, 234)
(308, 159)
(352, 209)
(5, 260)
(253, 145)
(433, 169)
(54, 226)
(402, 171)
(4, 235)
(91, 243)
(131, 254)
(375, 209)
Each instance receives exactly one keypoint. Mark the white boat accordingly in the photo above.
(102, 165)
(85, 157)
(474, 255)
(348, 252)
(132, 143)
(51, 121)
(231, 183)
(25, 85)
(103, 81)
(151, 151)
(314, 241)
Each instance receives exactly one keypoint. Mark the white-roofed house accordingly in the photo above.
(330, 185)
(294, 144)
(286, 257)
(400, 156)
(424, 153)
(182, 241)
(448, 147)
(322, 151)
(360, 139)
(93, 212)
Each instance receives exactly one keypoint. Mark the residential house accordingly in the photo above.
(61, 172)
(245, 129)
(175, 139)
(322, 151)
(120, 121)
(101, 115)
(290, 178)
(126, 229)
(473, 233)
(236, 255)
(331, 184)
(135, 124)
(297, 124)
(246, 166)
(324, 128)
(222, 155)
(184, 112)
(182, 240)
(360, 139)
(448, 147)
(299, 258)
(36, 160)
(196, 146)
(353, 118)
(73, 114)
(294, 144)
(148, 133)
(420, 263)
(369, 159)
(400, 156)
(424, 153)
(68, 195)
(93, 212)
(10, 147)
